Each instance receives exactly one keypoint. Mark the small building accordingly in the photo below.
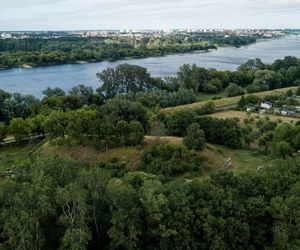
(266, 105)
(287, 112)
(262, 111)
(297, 108)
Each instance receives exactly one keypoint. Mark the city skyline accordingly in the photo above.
(154, 14)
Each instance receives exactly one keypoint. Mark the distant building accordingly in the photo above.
(262, 111)
(266, 105)
(287, 112)
(6, 36)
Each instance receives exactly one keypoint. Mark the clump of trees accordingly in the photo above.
(171, 160)
(195, 137)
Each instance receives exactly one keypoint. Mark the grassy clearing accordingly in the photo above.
(241, 159)
(11, 156)
(90, 155)
(207, 97)
(216, 155)
(227, 101)
(242, 115)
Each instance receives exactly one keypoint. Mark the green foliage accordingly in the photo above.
(125, 78)
(233, 90)
(161, 98)
(195, 138)
(207, 108)
(56, 124)
(136, 133)
(50, 92)
(2, 131)
(20, 129)
(56, 203)
(226, 132)
(170, 160)
(179, 121)
(80, 124)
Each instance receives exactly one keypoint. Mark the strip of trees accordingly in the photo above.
(45, 52)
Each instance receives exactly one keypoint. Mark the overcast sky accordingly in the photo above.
(141, 14)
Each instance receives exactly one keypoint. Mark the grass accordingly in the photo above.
(228, 101)
(242, 115)
(13, 155)
(207, 97)
(242, 159)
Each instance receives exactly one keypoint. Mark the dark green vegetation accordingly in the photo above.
(111, 171)
(41, 52)
(57, 203)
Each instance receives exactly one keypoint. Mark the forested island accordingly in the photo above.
(207, 159)
(45, 52)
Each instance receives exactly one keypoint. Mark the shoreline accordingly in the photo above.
(25, 66)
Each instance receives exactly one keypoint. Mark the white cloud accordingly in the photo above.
(101, 14)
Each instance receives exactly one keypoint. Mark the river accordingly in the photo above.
(35, 80)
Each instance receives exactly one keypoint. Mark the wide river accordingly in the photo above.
(34, 81)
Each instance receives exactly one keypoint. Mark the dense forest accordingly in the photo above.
(44, 52)
(171, 196)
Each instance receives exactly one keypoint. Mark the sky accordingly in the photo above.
(147, 14)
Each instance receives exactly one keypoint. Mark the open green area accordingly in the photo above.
(12, 156)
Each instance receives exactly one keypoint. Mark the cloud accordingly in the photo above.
(101, 14)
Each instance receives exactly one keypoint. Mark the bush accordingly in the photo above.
(233, 90)
(2, 131)
(170, 160)
(195, 138)
(19, 128)
(179, 121)
(283, 149)
(206, 109)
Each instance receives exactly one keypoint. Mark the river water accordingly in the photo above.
(35, 80)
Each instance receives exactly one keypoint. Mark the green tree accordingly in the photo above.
(80, 124)
(19, 128)
(36, 124)
(179, 121)
(85, 93)
(157, 129)
(195, 138)
(56, 124)
(50, 92)
(2, 131)
(123, 131)
(125, 78)
(283, 149)
(136, 133)
(72, 200)
(233, 90)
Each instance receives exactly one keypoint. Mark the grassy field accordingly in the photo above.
(242, 115)
(227, 101)
(206, 97)
(11, 156)
(216, 155)
(241, 159)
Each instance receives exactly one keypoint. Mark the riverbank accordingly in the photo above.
(90, 53)
(35, 80)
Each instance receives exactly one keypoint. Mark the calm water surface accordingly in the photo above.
(33, 81)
